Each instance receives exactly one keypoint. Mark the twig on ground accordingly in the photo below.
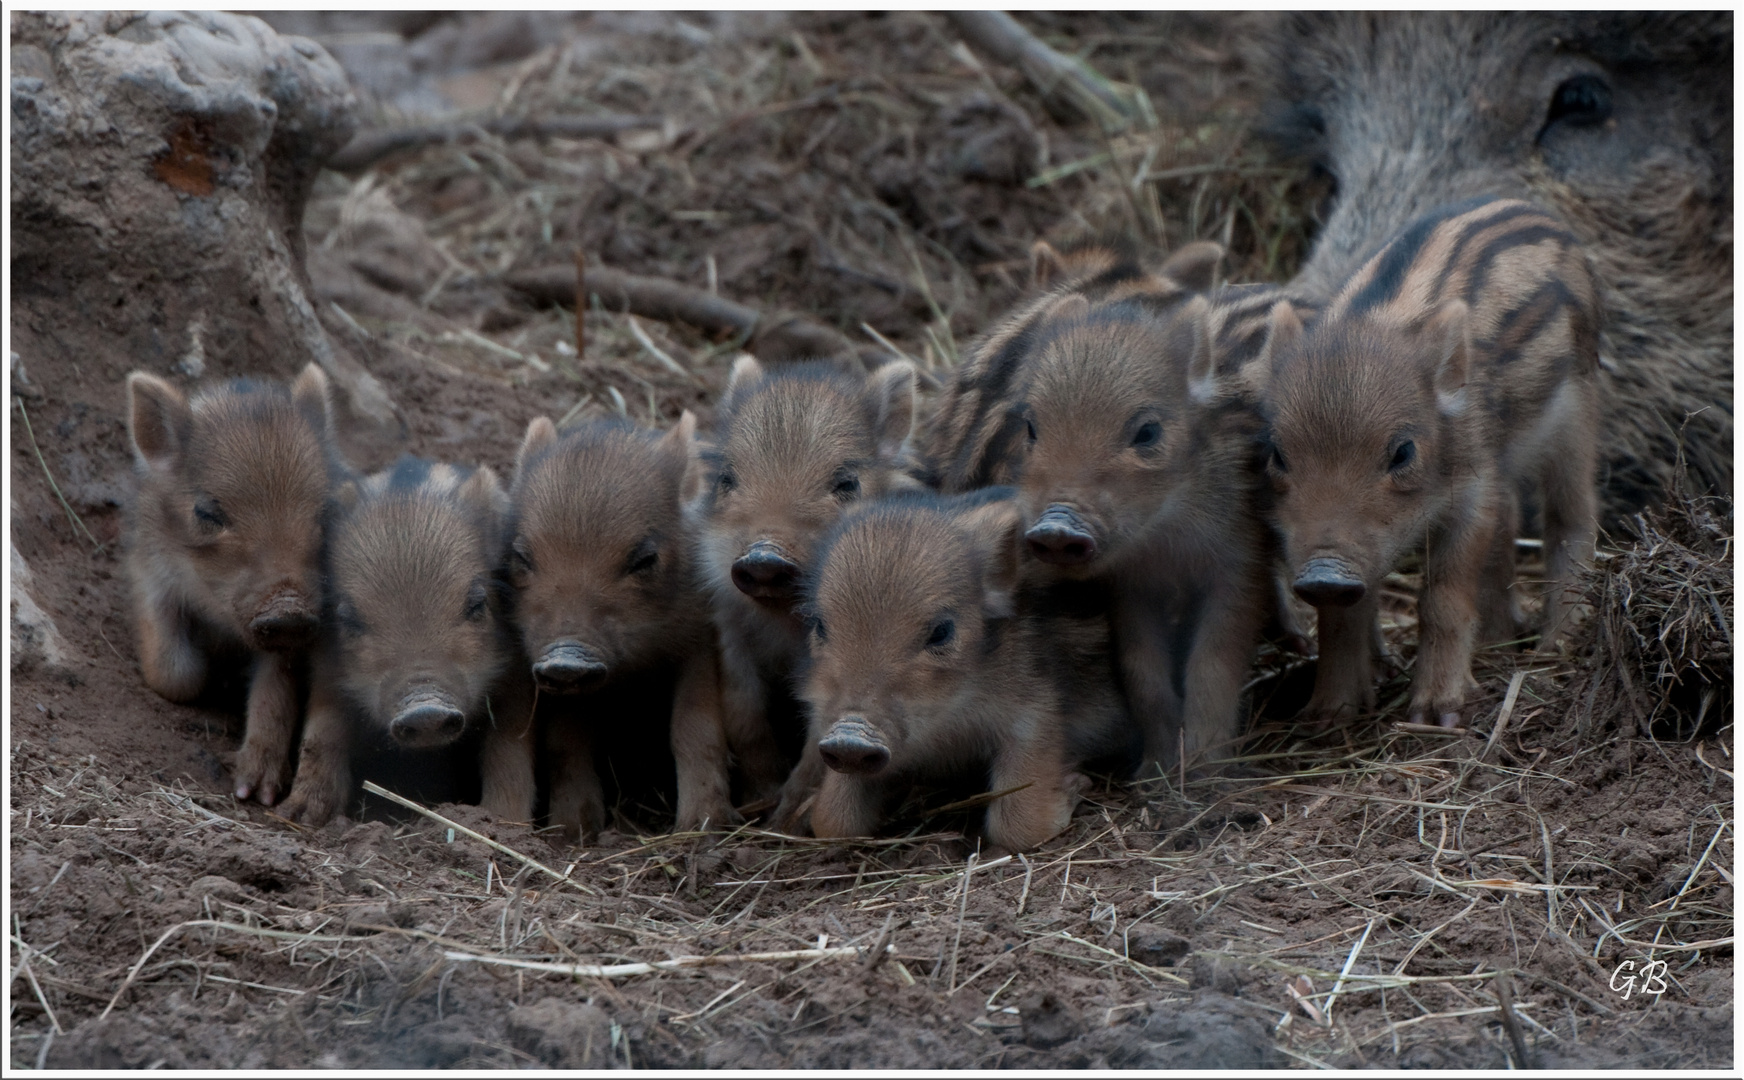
(370, 146)
(376, 789)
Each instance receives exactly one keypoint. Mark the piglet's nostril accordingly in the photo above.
(1329, 583)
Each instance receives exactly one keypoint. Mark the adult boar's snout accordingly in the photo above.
(568, 668)
(1329, 583)
(853, 746)
(765, 573)
(1061, 537)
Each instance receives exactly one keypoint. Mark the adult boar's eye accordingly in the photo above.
(209, 514)
(1403, 456)
(941, 633)
(1582, 100)
(1147, 435)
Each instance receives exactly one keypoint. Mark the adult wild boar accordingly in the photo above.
(1619, 122)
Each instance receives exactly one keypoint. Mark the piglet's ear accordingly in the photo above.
(680, 444)
(482, 490)
(1282, 334)
(1449, 329)
(346, 495)
(997, 530)
(1195, 320)
(158, 420)
(313, 398)
(891, 390)
(541, 436)
(1194, 267)
(1046, 265)
(746, 370)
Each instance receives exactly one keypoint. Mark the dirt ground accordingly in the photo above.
(1365, 897)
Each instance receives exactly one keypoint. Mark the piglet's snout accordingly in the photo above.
(286, 621)
(764, 572)
(568, 668)
(1061, 537)
(854, 746)
(427, 719)
(1329, 583)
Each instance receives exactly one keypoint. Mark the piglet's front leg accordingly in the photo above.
(506, 755)
(1042, 809)
(699, 747)
(322, 788)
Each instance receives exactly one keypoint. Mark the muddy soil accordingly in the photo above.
(1364, 897)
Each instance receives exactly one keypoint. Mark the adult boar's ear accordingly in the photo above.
(313, 398)
(541, 436)
(158, 420)
(680, 446)
(1195, 321)
(1194, 267)
(1449, 332)
(890, 391)
(997, 530)
(1046, 265)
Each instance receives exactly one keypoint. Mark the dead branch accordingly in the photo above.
(368, 147)
(1059, 77)
(767, 337)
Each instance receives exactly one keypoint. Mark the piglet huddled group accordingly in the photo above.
(821, 602)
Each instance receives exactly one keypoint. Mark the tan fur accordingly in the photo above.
(417, 623)
(1173, 521)
(225, 538)
(923, 644)
(602, 565)
(795, 447)
(1456, 367)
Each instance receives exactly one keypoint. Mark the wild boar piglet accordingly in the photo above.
(1456, 369)
(794, 447)
(224, 547)
(1133, 458)
(611, 613)
(929, 659)
(417, 651)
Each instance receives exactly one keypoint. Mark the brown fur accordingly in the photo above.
(417, 624)
(794, 448)
(1058, 400)
(224, 547)
(1458, 366)
(602, 565)
(923, 646)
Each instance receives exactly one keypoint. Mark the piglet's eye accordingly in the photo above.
(477, 602)
(1275, 458)
(645, 558)
(1403, 456)
(943, 630)
(520, 562)
(209, 514)
(1029, 428)
(846, 485)
(1147, 434)
(817, 628)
